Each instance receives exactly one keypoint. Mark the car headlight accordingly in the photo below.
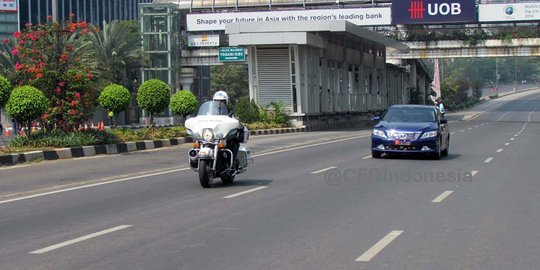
(207, 134)
(429, 134)
(379, 133)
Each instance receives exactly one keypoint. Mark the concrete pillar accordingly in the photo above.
(187, 77)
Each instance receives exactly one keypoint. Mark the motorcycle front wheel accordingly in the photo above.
(204, 173)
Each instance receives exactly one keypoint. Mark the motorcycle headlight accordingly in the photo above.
(429, 134)
(207, 134)
(379, 133)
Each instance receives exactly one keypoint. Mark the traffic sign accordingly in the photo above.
(227, 54)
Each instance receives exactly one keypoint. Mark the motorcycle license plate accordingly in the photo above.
(205, 152)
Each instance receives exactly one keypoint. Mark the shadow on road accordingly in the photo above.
(242, 183)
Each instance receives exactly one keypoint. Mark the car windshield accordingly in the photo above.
(409, 115)
(213, 108)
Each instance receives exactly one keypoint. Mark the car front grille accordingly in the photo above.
(399, 135)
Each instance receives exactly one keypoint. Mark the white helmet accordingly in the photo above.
(221, 96)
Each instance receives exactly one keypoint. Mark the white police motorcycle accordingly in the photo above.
(211, 157)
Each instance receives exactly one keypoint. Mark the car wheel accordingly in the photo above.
(444, 153)
(376, 154)
(437, 155)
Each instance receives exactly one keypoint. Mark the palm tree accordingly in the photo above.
(116, 51)
(7, 59)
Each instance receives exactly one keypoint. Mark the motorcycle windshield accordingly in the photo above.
(213, 108)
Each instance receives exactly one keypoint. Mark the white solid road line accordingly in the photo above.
(488, 160)
(80, 239)
(374, 250)
(443, 196)
(473, 173)
(92, 185)
(244, 192)
(499, 150)
(324, 170)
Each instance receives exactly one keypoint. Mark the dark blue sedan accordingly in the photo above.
(414, 129)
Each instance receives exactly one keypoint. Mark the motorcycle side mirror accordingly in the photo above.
(444, 121)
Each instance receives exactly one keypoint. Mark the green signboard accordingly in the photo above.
(227, 54)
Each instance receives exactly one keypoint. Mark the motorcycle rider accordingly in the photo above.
(233, 139)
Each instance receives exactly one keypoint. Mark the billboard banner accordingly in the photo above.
(8, 5)
(203, 40)
(509, 12)
(358, 16)
(433, 11)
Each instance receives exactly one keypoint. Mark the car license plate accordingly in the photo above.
(400, 142)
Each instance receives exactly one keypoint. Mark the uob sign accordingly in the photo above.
(433, 11)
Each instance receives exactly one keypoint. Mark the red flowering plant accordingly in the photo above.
(52, 57)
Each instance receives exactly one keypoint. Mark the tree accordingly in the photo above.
(153, 96)
(116, 51)
(114, 98)
(26, 103)
(51, 58)
(5, 91)
(183, 103)
(232, 79)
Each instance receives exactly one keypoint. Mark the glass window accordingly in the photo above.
(155, 42)
(158, 60)
(154, 23)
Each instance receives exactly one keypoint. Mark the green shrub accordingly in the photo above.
(264, 125)
(26, 103)
(183, 103)
(5, 90)
(127, 135)
(247, 111)
(153, 96)
(494, 96)
(59, 138)
(114, 98)
(277, 113)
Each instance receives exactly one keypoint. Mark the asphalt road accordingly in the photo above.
(310, 201)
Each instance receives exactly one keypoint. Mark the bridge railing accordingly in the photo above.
(472, 33)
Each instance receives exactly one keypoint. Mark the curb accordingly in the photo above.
(86, 151)
(277, 131)
(110, 149)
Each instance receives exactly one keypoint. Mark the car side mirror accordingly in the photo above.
(444, 121)
(376, 118)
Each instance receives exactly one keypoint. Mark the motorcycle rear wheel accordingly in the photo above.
(204, 173)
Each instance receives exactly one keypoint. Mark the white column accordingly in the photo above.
(187, 78)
